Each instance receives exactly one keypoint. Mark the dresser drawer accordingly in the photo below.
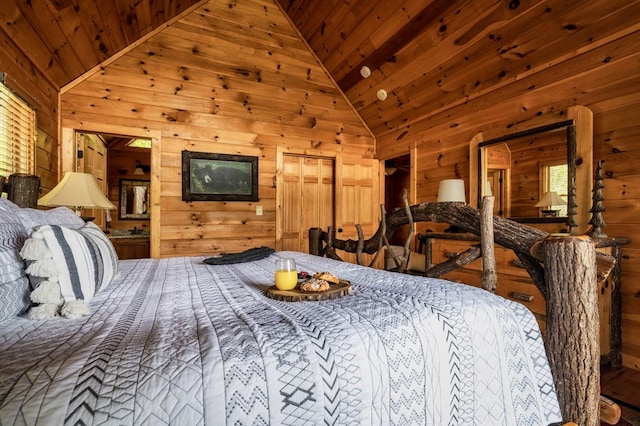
(443, 250)
(506, 260)
(522, 291)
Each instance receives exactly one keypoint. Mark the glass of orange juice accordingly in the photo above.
(286, 276)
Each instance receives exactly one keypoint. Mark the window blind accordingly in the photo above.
(17, 134)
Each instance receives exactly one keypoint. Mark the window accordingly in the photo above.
(557, 179)
(140, 143)
(17, 134)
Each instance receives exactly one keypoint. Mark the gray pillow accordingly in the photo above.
(61, 216)
(14, 284)
(6, 205)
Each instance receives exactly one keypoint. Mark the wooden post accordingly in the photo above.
(572, 331)
(315, 242)
(489, 274)
(24, 190)
(428, 254)
(616, 307)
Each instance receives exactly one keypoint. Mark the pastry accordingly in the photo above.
(327, 276)
(314, 284)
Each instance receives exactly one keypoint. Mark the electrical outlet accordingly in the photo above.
(258, 210)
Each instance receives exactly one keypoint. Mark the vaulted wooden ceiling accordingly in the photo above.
(65, 38)
(430, 56)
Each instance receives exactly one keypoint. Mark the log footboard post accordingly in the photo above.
(572, 331)
(315, 242)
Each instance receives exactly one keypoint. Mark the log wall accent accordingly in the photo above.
(222, 80)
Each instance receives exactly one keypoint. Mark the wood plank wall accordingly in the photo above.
(231, 80)
(22, 77)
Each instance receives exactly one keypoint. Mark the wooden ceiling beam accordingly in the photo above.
(402, 38)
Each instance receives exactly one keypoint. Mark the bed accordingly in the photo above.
(179, 341)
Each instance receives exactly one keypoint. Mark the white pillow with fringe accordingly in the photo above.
(67, 267)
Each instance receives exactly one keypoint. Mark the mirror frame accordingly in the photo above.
(579, 127)
(125, 184)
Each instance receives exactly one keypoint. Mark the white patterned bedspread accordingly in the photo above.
(176, 341)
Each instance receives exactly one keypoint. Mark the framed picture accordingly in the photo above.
(219, 177)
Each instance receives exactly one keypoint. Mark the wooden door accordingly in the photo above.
(306, 199)
(93, 161)
(357, 200)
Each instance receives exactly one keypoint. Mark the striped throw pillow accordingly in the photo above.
(81, 261)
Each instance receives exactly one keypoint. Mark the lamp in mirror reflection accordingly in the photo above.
(549, 200)
(77, 191)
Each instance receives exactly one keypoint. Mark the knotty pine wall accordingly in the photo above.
(605, 78)
(224, 80)
(22, 77)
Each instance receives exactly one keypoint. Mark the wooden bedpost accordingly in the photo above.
(24, 190)
(572, 332)
(489, 272)
(315, 242)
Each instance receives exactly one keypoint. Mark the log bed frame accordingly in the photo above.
(564, 268)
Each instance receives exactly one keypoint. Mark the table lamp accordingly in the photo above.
(77, 191)
(451, 191)
(550, 199)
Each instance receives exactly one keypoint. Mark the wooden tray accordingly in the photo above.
(335, 291)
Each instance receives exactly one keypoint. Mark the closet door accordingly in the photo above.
(358, 200)
(305, 199)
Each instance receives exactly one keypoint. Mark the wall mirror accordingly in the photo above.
(515, 169)
(134, 199)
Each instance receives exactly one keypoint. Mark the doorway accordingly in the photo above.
(397, 178)
(121, 163)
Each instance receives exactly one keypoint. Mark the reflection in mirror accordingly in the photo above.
(134, 199)
(520, 167)
(521, 170)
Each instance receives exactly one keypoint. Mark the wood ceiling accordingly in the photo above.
(430, 56)
(65, 38)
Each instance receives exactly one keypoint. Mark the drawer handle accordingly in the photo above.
(450, 254)
(524, 297)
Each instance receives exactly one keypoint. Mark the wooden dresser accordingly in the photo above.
(131, 247)
(515, 284)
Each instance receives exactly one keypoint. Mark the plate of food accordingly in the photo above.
(319, 286)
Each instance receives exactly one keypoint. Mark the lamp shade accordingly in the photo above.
(138, 170)
(77, 190)
(451, 191)
(550, 198)
(488, 190)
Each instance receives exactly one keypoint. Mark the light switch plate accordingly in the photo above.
(258, 210)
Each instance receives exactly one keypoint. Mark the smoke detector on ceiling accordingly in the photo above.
(365, 71)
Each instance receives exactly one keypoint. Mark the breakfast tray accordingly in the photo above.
(343, 288)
